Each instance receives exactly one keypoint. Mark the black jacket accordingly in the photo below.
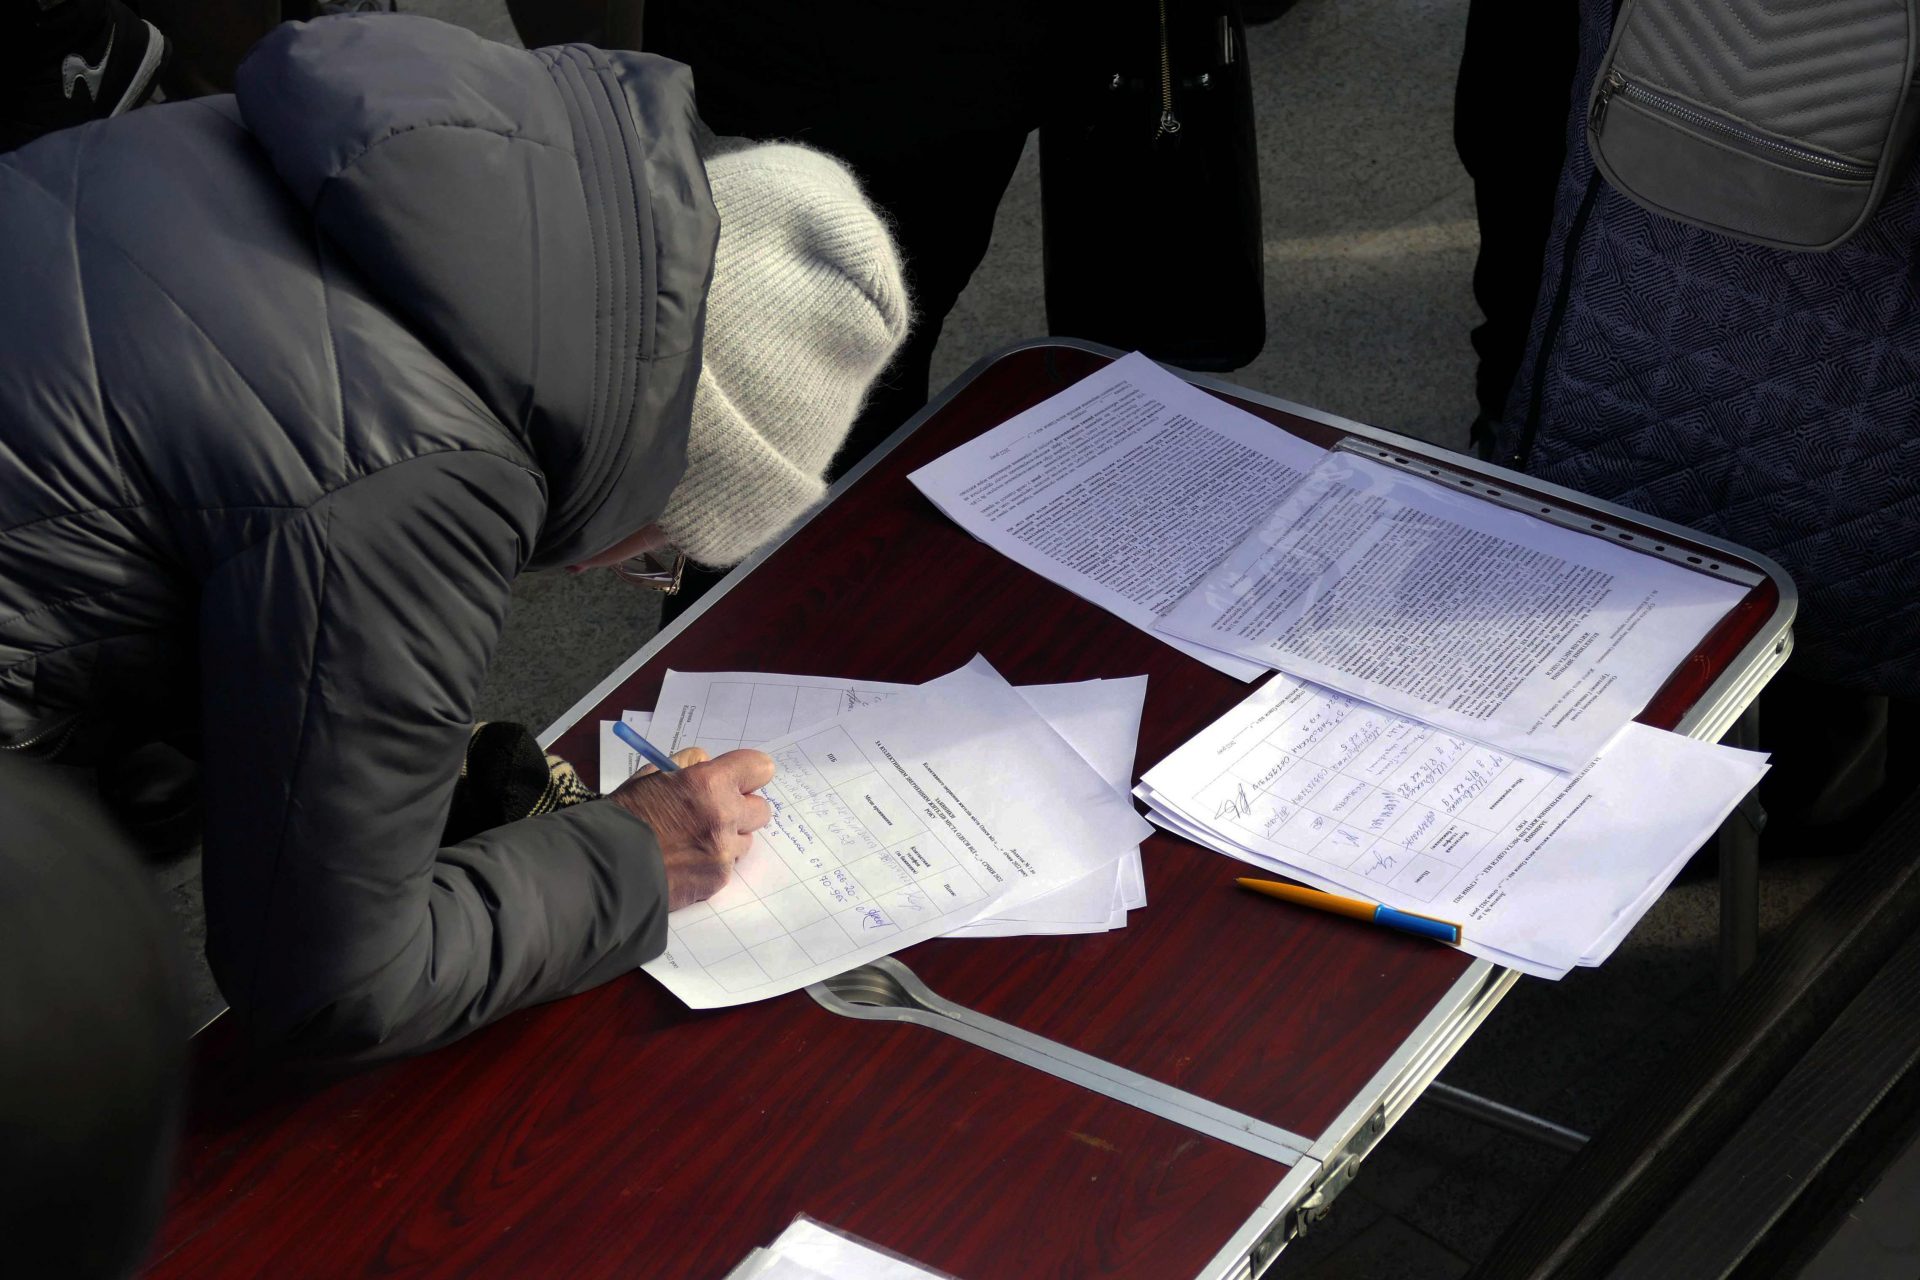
(292, 385)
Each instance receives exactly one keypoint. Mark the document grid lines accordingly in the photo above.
(737, 714)
(1336, 781)
(846, 862)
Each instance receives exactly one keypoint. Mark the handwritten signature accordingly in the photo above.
(1235, 806)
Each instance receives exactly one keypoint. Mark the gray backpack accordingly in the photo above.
(1781, 122)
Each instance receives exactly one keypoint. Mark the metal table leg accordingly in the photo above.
(1501, 1116)
(1739, 848)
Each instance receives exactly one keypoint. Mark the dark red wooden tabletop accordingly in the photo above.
(618, 1133)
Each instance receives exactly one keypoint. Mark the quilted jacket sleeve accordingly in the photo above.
(341, 661)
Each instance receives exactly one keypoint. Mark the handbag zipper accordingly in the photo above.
(1615, 83)
(1168, 122)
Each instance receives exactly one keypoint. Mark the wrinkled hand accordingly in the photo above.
(704, 816)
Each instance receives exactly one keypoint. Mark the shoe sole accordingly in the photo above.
(145, 76)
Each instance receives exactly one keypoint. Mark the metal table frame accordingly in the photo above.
(1307, 1191)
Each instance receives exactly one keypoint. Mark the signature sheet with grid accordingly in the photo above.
(1543, 869)
(1100, 719)
(894, 823)
(747, 710)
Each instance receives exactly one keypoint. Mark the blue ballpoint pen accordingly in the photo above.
(648, 752)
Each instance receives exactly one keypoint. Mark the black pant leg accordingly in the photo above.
(1830, 749)
(942, 204)
(32, 29)
(929, 106)
(209, 38)
(1509, 127)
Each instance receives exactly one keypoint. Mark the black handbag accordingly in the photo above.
(1150, 189)
(1780, 122)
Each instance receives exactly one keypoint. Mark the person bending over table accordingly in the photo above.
(298, 381)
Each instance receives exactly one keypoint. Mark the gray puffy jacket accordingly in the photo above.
(292, 385)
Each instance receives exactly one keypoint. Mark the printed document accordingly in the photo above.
(1542, 870)
(1125, 489)
(1100, 719)
(893, 824)
(806, 1250)
(725, 710)
(1477, 619)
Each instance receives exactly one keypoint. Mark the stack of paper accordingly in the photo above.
(1542, 869)
(962, 807)
(1125, 489)
(806, 1250)
(1479, 762)
(1436, 603)
(723, 710)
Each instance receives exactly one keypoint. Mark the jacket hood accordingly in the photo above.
(540, 218)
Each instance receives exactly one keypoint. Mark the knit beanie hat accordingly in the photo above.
(806, 308)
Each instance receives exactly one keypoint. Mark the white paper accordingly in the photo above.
(721, 710)
(725, 710)
(893, 824)
(1208, 838)
(1531, 862)
(1100, 719)
(1125, 489)
(808, 1251)
(618, 761)
(1479, 620)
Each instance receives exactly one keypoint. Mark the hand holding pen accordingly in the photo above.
(702, 812)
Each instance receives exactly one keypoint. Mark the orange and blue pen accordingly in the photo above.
(1355, 909)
